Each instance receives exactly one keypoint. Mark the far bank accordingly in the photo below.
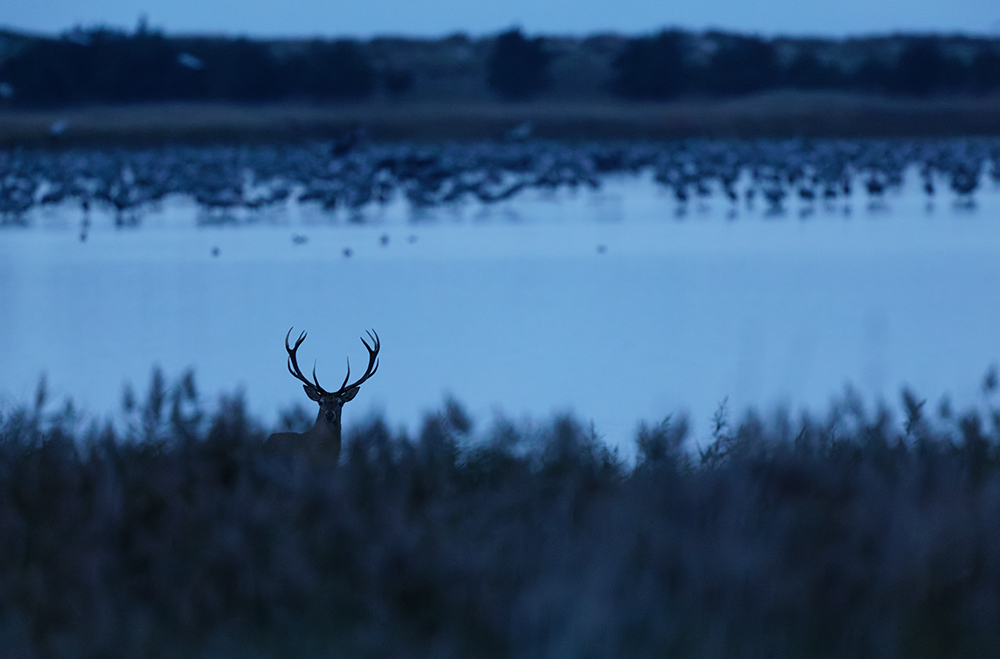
(769, 115)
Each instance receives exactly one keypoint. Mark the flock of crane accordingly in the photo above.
(249, 178)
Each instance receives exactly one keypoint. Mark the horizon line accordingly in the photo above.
(989, 34)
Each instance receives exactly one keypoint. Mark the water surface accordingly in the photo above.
(617, 304)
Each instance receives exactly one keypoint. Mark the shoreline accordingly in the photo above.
(772, 115)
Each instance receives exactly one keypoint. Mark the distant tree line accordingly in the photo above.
(518, 67)
(109, 66)
(105, 66)
(673, 63)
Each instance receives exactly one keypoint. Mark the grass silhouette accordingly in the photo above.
(172, 532)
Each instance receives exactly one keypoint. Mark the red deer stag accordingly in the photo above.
(322, 441)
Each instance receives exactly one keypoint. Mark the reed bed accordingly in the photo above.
(172, 532)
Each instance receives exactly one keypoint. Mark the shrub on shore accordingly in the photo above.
(517, 67)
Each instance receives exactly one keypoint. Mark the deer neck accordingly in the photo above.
(325, 435)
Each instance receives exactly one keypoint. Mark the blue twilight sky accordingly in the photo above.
(477, 17)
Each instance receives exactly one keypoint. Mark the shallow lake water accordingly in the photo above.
(615, 304)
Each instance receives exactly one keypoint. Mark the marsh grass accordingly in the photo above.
(171, 532)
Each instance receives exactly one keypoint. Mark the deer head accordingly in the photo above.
(324, 437)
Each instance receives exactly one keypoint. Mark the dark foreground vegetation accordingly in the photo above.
(178, 535)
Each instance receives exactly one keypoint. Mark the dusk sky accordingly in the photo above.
(477, 17)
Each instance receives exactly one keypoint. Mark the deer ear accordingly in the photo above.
(350, 394)
(312, 393)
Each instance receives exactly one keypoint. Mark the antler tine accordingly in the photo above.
(291, 354)
(372, 361)
(348, 376)
(293, 364)
(298, 342)
(315, 381)
(373, 353)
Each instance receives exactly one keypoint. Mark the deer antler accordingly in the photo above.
(372, 363)
(293, 364)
